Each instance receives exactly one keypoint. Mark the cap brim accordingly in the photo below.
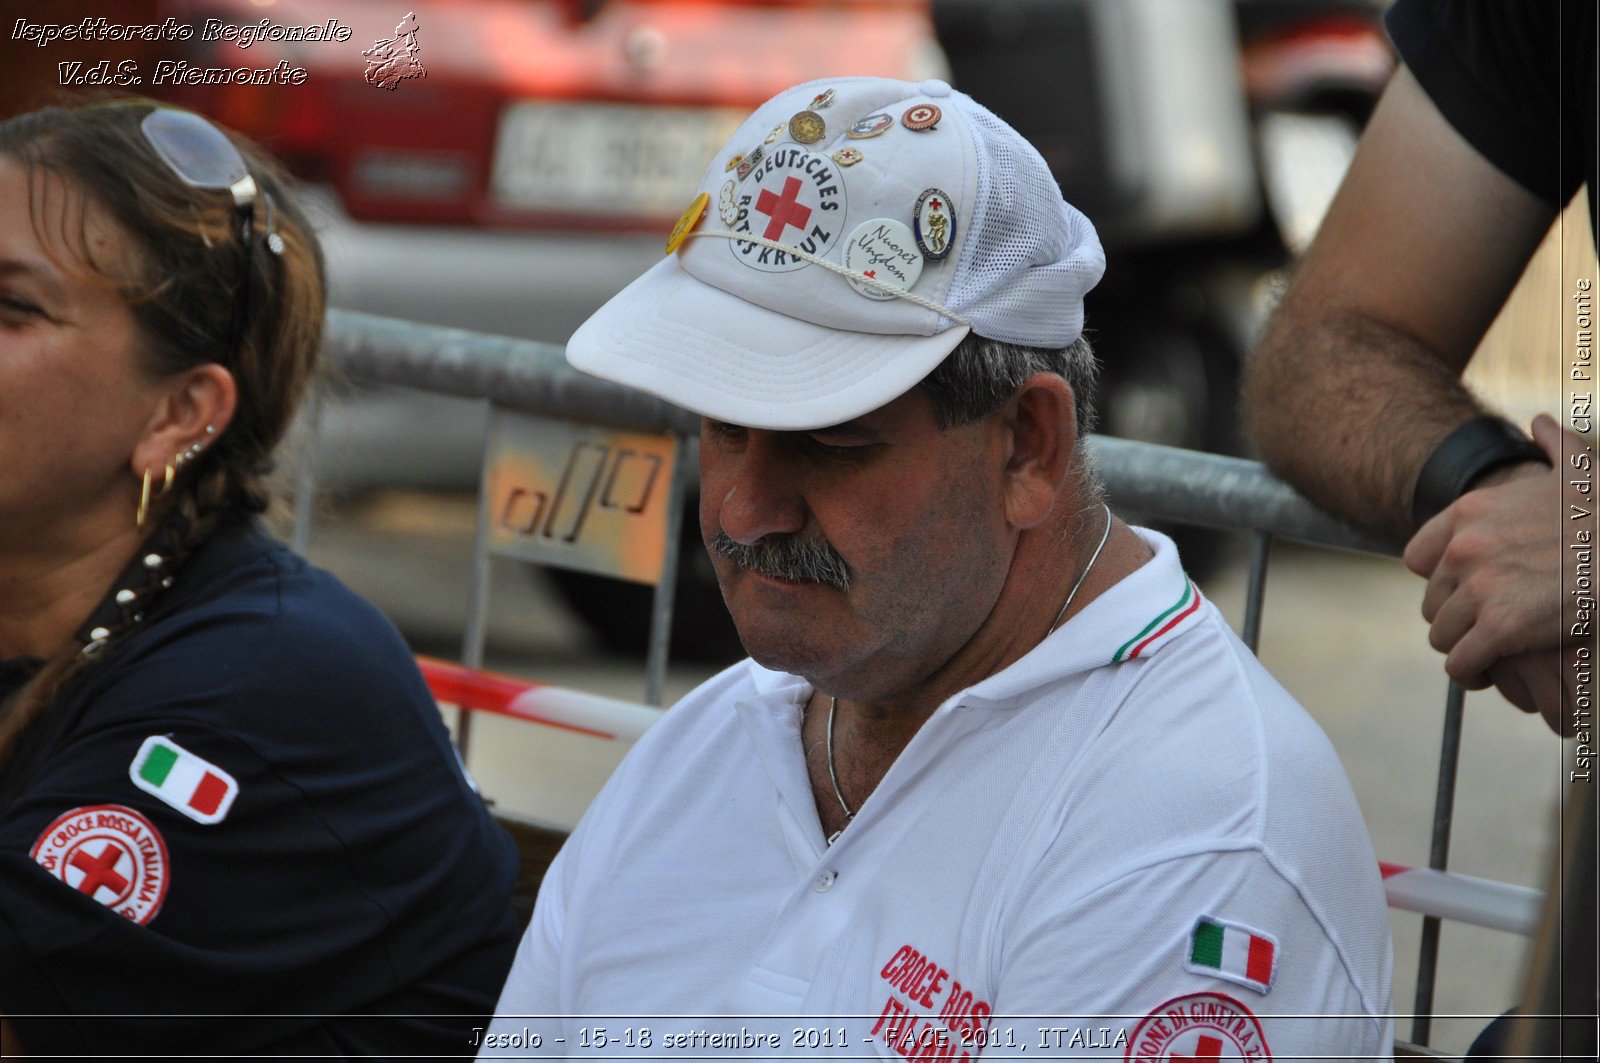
(716, 354)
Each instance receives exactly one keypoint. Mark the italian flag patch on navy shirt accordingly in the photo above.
(1232, 951)
(192, 785)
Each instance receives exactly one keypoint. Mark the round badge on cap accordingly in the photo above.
(922, 117)
(807, 127)
(934, 223)
(733, 162)
(822, 99)
(847, 156)
(883, 250)
(688, 220)
(797, 199)
(873, 125)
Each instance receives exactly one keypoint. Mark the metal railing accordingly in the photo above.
(1190, 487)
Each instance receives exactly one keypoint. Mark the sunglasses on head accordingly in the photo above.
(203, 157)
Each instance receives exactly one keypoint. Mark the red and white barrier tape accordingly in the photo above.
(1479, 901)
(553, 706)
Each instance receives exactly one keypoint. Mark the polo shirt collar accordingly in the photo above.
(1134, 619)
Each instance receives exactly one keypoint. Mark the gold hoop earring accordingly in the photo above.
(144, 501)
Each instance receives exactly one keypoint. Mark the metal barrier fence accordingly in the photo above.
(534, 379)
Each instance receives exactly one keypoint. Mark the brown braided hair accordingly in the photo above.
(188, 270)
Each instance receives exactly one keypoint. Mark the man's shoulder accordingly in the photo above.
(1204, 721)
(1197, 750)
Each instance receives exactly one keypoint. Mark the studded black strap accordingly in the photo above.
(141, 582)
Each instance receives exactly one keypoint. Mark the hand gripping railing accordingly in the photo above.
(1166, 482)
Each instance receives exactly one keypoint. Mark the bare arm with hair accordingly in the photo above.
(1358, 379)
(1358, 376)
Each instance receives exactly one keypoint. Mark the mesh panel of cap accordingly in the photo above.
(1029, 255)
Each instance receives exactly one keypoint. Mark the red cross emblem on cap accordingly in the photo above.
(784, 210)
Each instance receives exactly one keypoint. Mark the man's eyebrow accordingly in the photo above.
(45, 278)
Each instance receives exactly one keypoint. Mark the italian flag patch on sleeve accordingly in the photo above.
(1234, 952)
(192, 785)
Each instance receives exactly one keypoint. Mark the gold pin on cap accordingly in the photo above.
(807, 127)
(688, 220)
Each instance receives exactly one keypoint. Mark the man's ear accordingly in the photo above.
(192, 401)
(1043, 426)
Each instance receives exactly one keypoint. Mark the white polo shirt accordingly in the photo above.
(1130, 842)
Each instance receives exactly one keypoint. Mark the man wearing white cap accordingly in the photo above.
(997, 778)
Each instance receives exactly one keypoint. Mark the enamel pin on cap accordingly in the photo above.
(822, 99)
(733, 162)
(922, 117)
(728, 203)
(847, 156)
(807, 127)
(933, 223)
(751, 161)
(777, 131)
(873, 125)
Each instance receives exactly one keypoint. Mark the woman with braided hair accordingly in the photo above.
(230, 817)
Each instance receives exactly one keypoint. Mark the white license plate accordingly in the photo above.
(606, 158)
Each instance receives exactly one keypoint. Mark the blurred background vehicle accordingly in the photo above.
(532, 169)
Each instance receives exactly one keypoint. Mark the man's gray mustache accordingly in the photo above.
(787, 557)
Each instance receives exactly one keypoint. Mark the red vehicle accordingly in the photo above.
(533, 114)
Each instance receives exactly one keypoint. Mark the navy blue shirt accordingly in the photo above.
(249, 808)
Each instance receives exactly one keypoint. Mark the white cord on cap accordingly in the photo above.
(848, 274)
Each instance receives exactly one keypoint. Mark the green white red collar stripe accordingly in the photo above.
(1162, 624)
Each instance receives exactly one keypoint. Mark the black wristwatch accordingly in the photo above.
(1477, 447)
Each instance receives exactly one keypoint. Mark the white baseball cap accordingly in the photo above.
(854, 231)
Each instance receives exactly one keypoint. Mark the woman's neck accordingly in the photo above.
(49, 585)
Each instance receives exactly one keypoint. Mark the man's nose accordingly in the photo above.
(763, 497)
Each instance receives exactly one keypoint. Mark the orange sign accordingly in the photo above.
(579, 496)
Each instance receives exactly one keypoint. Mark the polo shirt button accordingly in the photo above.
(825, 880)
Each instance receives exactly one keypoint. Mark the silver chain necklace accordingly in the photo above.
(1073, 593)
(833, 775)
(833, 702)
